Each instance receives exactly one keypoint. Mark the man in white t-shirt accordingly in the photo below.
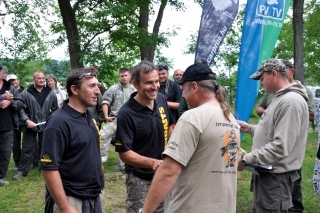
(199, 170)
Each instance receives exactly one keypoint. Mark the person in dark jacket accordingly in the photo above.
(16, 146)
(10, 103)
(40, 102)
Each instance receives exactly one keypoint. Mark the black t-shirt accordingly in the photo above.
(6, 114)
(173, 93)
(71, 145)
(143, 131)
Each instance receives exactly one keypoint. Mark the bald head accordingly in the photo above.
(177, 74)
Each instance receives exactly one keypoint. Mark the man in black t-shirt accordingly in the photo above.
(143, 124)
(70, 157)
(170, 90)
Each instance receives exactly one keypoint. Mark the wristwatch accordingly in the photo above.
(243, 161)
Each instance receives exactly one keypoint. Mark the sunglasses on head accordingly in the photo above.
(88, 75)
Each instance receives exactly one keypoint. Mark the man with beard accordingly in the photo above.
(70, 157)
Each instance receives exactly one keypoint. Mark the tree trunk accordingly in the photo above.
(298, 40)
(147, 50)
(70, 24)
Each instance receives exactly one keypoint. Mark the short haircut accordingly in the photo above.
(144, 66)
(75, 78)
(123, 70)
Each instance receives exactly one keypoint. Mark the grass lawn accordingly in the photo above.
(27, 194)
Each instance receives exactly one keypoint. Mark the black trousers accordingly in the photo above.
(31, 149)
(16, 147)
(6, 140)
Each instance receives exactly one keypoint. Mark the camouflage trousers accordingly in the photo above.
(107, 133)
(137, 190)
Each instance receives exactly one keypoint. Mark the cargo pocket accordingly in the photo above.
(268, 191)
(286, 181)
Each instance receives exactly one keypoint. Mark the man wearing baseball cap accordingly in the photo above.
(10, 104)
(279, 139)
(207, 135)
(16, 146)
(263, 105)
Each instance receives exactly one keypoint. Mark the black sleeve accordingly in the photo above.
(17, 102)
(177, 92)
(124, 133)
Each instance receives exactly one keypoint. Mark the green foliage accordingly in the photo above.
(285, 47)
(110, 32)
(26, 39)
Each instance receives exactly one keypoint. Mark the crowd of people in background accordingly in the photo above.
(178, 141)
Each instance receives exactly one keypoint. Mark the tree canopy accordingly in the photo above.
(107, 34)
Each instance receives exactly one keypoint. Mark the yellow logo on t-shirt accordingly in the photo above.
(45, 159)
(165, 123)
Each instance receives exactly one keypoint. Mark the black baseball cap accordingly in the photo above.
(199, 71)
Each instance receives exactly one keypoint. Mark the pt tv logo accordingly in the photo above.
(271, 8)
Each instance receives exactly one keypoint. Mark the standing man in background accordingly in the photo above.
(40, 102)
(10, 103)
(142, 133)
(112, 100)
(170, 90)
(177, 74)
(16, 146)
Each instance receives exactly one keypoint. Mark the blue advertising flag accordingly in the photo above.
(263, 21)
(216, 19)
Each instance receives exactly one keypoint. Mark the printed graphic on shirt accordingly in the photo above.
(230, 148)
(165, 123)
